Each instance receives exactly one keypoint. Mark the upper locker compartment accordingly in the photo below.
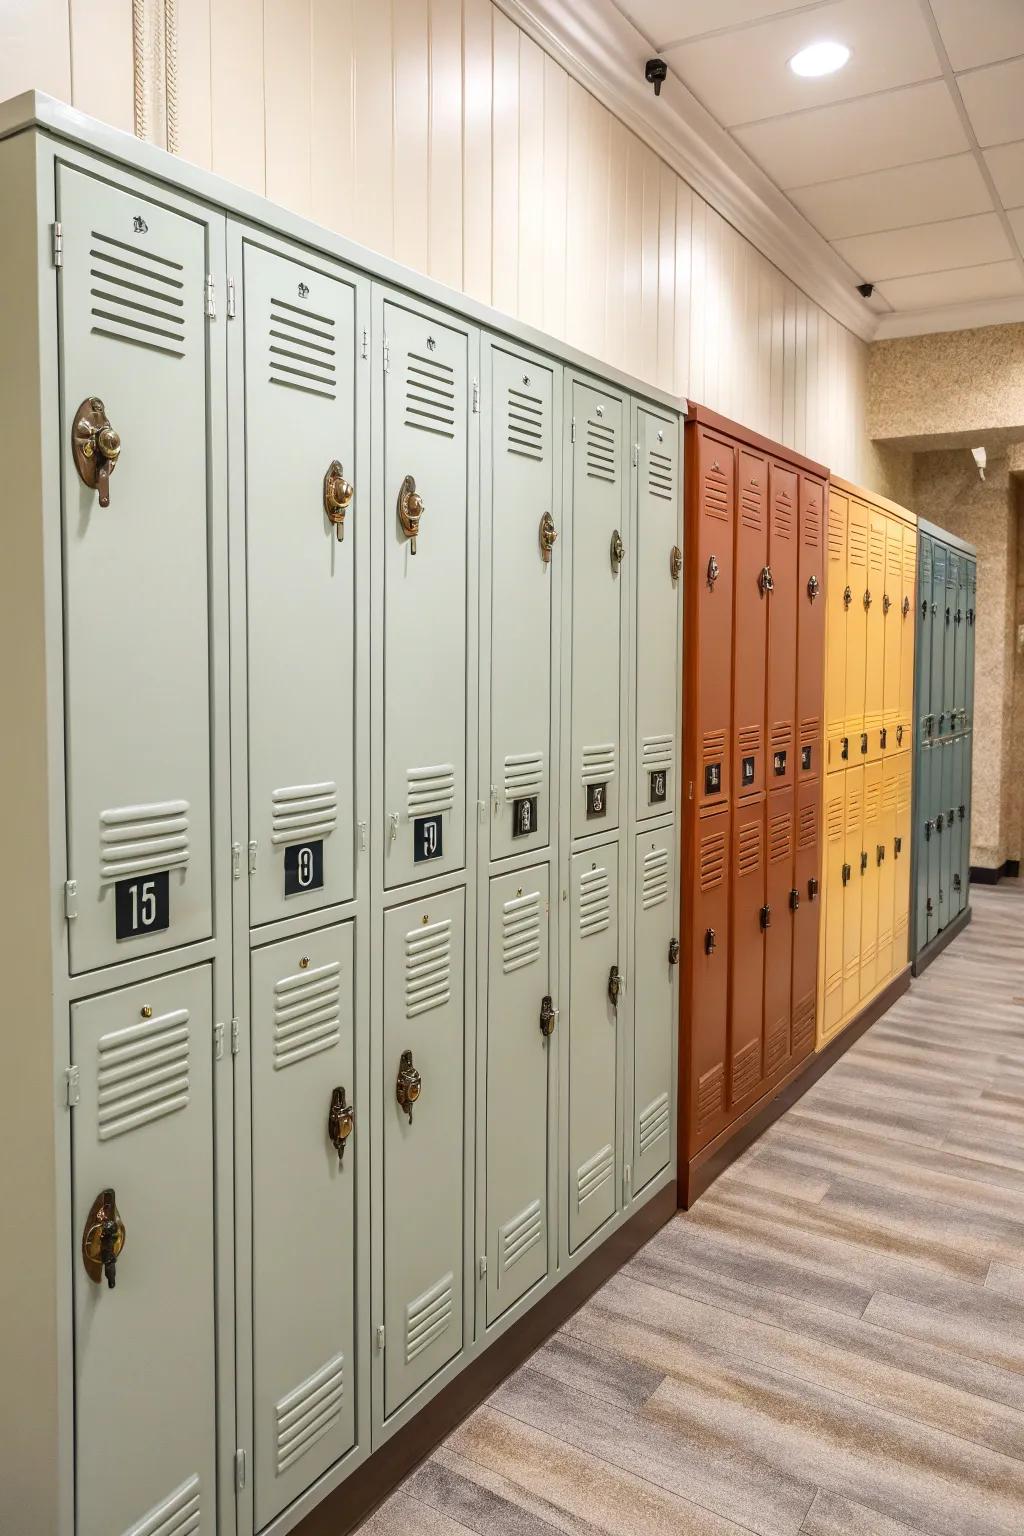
(712, 618)
(922, 618)
(750, 626)
(836, 737)
(599, 509)
(810, 628)
(303, 524)
(780, 579)
(892, 626)
(521, 582)
(972, 599)
(658, 575)
(425, 530)
(960, 647)
(874, 607)
(856, 602)
(940, 555)
(134, 381)
(948, 617)
(908, 630)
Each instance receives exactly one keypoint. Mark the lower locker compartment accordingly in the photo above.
(955, 826)
(593, 1040)
(869, 879)
(933, 841)
(778, 923)
(746, 955)
(653, 996)
(806, 917)
(835, 888)
(704, 1016)
(902, 864)
(853, 890)
(947, 908)
(883, 856)
(922, 850)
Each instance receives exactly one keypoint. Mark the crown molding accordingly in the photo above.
(606, 53)
(951, 317)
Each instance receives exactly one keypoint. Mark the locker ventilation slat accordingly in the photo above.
(429, 395)
(655, 881)
(307, 1013)
(872, 795)
(807, 834)
(135, 839)
(713, 745)
(519, 1235)
(303, 811)
(428, 970)
(656, 752)
(835, 540)
(780, 737)
(143, 1073)
(595, 902)
(653, 1122)
(601, 451)
(889, 792)
(746, 1069)
(711, 1094)
(776, 1044)
(782, 516)
(309, 1413)
(858, 544)
(834, 819)
(803, 1024)
(909, 561)
(594, 1174)
(712, 860)
(903, 789)
(302, 347)
(780, 837)
(525, 424)
(430, 790)
(428, 1317)
(716, 493)
(520, 932)
(752, 504)
(810, 523)
(877, 549)
(659, 475)
(136, 296)
(524, 774)
(749, 740)
(810, 730)
(748, 853)
(597, 765)
(178, 1515)
(853, 810)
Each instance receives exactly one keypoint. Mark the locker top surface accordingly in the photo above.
(36, 110)
(933, 531)
(703, 416)
(874, 500)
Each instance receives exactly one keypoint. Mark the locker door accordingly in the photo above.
(955, 824)
(883, 857)
(947, 908)
(901, 863)
(518, 1078)
(750, 626)
(924, 621)
(599, 510)
(594, 952)
(522, 572)
(965, 840)
(874, 602)
(869, 878)
(949, 642)
(810, 663)
(937, 669)
(304, 1376)
(907, 625)
(300, 419)
(960, 647)
(654, 1012)
(783, 560)
(145, 1453)
(933, 836)
(424, 1151)
(972, 598)
(922, 854)
(778, 950)
(708, 964)
(835, 890)
(711, 617)
(656, 667)
(137, 654)
(854, 889)
(854, 594)
(425, 595)
(806, 915)
(747, 952)
(836, 620)
(892, 629)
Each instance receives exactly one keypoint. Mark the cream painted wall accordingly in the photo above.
(436, 132)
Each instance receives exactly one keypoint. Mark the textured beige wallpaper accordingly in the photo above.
(953, 383)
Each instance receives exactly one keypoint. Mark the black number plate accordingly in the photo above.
(713, 779)
(805, 758)
(658, 786)
(780, 764)
(142, 905)
(524, 816)
(303, 867)
(426, 838)
(747, 771)
(597, 800)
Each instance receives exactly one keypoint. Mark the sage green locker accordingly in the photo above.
(520, 1019)
(300, 387)
(600, 508)
(423, 1045)
(960, 647)
(923, 850)
(303, 1277)
(653, 1001)
(136, 580)
(947, 907)
(972, 598)
(525, 559)
(883, 855)
(654, 674)
(424, 533)
(940, 556)
(593, 1044)
(933, 836)
(955, 824)
(947, 720)
(142, 1134)
(965, 840)
(923, 697)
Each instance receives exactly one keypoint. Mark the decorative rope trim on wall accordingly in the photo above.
(171, 72)
(155, 71)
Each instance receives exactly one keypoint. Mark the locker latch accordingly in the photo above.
(617, 550)
(813, 587)
(409, 1083)
(899, 735)
(615, 986)
(847, 597)
(103, 1239)
(949, 615)
(845, 748)
(675, 562)
(929, 828)
(897, 847)
(886, 602)
(766, 581)
(548, 1015)
(883, 737)
(96, 447)
(929, 908)
(713, 571)
(812, 889)
(547, 534)
(765, 915)
(906, 606)
(959, 618)
(710, 941)
(847, 872)
(963, 812)
(338, 493)
(673, 951)
(341, 1121)
(868, 599)
(940, 822)
(924, 608)
(863, 741)
(410, 510)
(952, 816)
(863, 861)
(880, 853)
(794, 900)
(956, 882)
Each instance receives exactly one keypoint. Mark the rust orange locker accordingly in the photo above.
(747, 954)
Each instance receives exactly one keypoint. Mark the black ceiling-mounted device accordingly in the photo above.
(656, 73)
(865, 290)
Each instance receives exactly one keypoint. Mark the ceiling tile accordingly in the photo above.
(854, 137)
(1016, 217)
(981, 31)
(927, 247)
(1006, 163)
(994, 99)
(907, 194)
(744, 76)
(998, 281)
(667, 21)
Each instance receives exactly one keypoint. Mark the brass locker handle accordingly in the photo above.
(409, 1083)
(673, 951)
(410, 509)
(812, 889)
(766, 581)
(547, 534)
(713, 571)
(341, 1121)
(847, 597)
(886, 602)
(103, 1239)
(847, 872)
(906, 606)
(95, 446)
(675, 562)
(710, 941)
(617, 550)
(813, 587)
(548, 1015)
(868, 599)
(338, 494)
(614, 986)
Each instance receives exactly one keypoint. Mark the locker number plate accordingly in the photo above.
(658, 791)
(303, 867)
(805, 758)
(597, 800)
(780, 764)
(524, 816)
(747, 771)
(142, 905)
(426, 838)
(713, 779)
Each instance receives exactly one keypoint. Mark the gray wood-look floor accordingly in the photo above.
(831, 1342)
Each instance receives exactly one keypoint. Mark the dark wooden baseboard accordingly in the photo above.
(369, 1485)
(924, 958)
(704, 1169)
(982, 875)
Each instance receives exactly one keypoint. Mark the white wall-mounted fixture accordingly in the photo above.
(980, 457)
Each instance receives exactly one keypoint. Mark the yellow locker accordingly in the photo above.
(901, 859)
(892, 627)
(869, 872)
(854, 594)
(830, 990)
(909, 629)
(885, 861)
(874, 653)
(835, 633)
(853, 883)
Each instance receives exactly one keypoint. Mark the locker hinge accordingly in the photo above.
(572, 431)
(483, 1265)
(636, 455)
(365, 349)
(218, 1042)
(58, 245)
(239, 1470)
(380, 1335)
(236, 861)
(476, 397)
(231, 298)
(234, 1037)
(70, 899)
(252, 857)
(211, 304)
(387, 355)
(72, 1087)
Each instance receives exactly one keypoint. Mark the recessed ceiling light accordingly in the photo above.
(819, 59)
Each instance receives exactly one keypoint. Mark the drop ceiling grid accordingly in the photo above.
(909, 161)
